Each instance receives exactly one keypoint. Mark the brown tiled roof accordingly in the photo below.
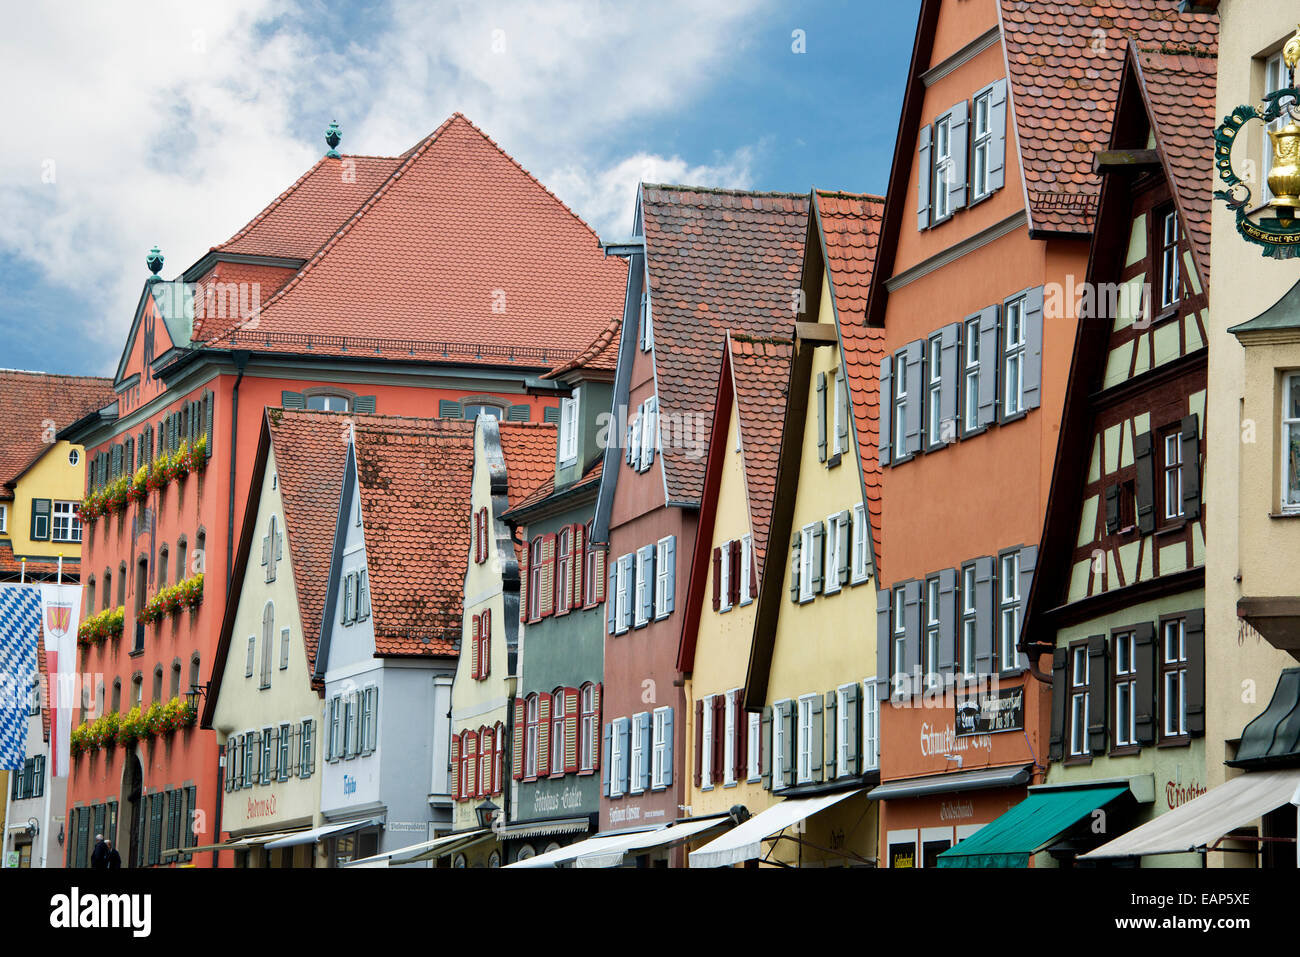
(547, 488)
(416, 477)
(27, 400)
(850, 229)
(459, 247)
(38, 569)
(1178, 84)
(718, 260)
(1064, 62)
(529, 451)
(601, 355)
(760, 373)
(310, 451)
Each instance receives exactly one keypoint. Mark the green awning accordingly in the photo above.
(1027, 827)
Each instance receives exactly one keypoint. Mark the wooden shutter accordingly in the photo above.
(543, 735)
(796, 545)
(642, 771)
(1195, 646)
(853, 727)
(985, 615)
(948, 621)
(517, 742)
(765, 748)
(669, 743)
(449, 409)
(611, 608)
(578, 565)
(595, 707)
(547, 584)
(364, 404)
(912, 622)
(599, 583)
(821, 416)
(923, 178)
(699, 742)
(885, 436)
(818, 557)
(818, 735)
(1144, 693)
(990, 335)
(787, 709)
(843, 411)
(485, 636)
(1098, 682)
(949, 378)
(843, 548)
(719, 742)
(1143, 453)
(570, 730)
(1028, 561)
(740, 723)
(608, 742)
(670, 576)
(42, 520)
(717, 578)
(523, 582)
(914, 355)
(997, 157)
(733, 580)
(1112, 509)
(1190, 439)
(957, 130)
(1060, 691)
(884, 639)
(474, 664)
(455, 767)
(1032, 374)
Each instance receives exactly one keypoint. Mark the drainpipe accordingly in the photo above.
(1035, 650)
(241, 360)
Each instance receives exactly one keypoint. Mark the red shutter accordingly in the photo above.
(741, 750)
(455, 767)
(485, 636)
(471, 764)
(523, 583)
(547, 584)
(570, 730)
(699, 730)
(595, 724)
(543, 735)
(599, 583)
(486, 749)
(517, 742)
(753, 571)
(717, 578)
(719, 729)
(733, 580)
(474, 662)
(579, 564)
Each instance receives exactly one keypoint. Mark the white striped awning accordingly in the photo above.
(612, 855)
(744, 842)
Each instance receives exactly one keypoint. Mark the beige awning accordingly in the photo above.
(1202, 821)
(745, 841)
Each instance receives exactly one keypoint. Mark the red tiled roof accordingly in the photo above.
(300, 220)
(547, 488)
(850, 229)
(529, 451)
(27, 400)
(1064, 62)
(760, 374)
(718, 260)
(416, 476)
(460, 247)
(601, 355)
(310, 453)
(38, 569)
(1178, 85)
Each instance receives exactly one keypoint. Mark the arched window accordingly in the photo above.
(268, 642)
(141, 583)
(99, 696)
(176, 679)
(137, 690)
(117, 694)
(557, 731)
(182, 557)
(108, 588)
(588, 728)
(157, 683)
(90, 596)
(200, 551)
(121, 585)
(194, 670)
(161, 568)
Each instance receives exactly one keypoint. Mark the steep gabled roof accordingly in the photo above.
(459, 248)
(600, 356)
(529, 451)
(718, 260)
(27, 400)
(544, 491)
(415, 477)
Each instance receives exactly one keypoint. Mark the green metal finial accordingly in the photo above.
(332, 137)
(155, 263)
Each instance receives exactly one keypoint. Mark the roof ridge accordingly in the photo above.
(57, 375)
(843, 194)
(722, 190)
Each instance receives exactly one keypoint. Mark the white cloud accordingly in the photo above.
(175, 124)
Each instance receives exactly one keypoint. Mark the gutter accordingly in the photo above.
(241, 360)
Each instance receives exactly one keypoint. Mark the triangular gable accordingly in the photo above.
(347, 505)
(151, 335)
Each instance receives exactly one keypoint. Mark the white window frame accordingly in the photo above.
(831, 556)
(754, 752)
(778, 744)
(981, 140)
(942, 167)
(636, 747)
(898, 651)
(72, 524)
(649, 432)
(664, 571)
(1172, 467)
(557, 740)
(1125, 685)
(1013, 357)
(930, 637)
(4, 518)
(803, 739)
(1008, 610)
(729, 738)
(1290, 477)
(1080, 701)
(900, 404)
(532, 712)
(634, 440)
(971, 374)
(706, 744)
(968, 626)
(842, 731)
(621, 575)
(934, 391)
(746, 568)
(861, 563)
(659, 759)
(806, 592)
(1173, 634)
(587, 728)
(724, 577)
(616, 759)
(642, 583)
(1169, 258)
(569, 427)
(870, 724)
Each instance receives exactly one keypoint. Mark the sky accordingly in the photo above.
(132, 125)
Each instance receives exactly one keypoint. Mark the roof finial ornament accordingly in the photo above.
(155, 263)
(332, 137)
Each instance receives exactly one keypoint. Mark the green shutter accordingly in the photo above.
(209, 400)
(449, 409)
(551, 414)
(293, 400)
(519, 413)
(40, 520)
(364, 404)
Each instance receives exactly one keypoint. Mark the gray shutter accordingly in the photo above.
(831, 727)
(611, 598)
(1146, 483)
(765, 748)
(1028, 559)
(609, 755)
(912, 624)
(923, 179)
(997, 135)
(629, 576)
(551, 414)
(364, 404)
(818, 556)
(1191, 449)
(643, 771)
(670, 590)
(886, 433)
(668, 748)
(1144, 660)
(293, 400)
(915, 353)
(853, 727)
(884, 635)
(647, 562)
(519, 413)
(958, 129)
(1098, 681)
(1112, 509)
(787, 742)
(990, 329)
(796, 546)
(1056, 744)
(1033, 368)
(949, 376)
(984, 615)
(843, 410)
(363, 589)
(818, 736)
(449, 409)
(1195, 638)
(209, 400)
(844, 546)
(948, 621)
(821, 417)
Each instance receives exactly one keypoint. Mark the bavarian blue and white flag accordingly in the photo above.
(20, 629)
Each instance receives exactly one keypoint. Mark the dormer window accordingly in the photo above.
(569, 428)
(1167, 223)
(329, 402)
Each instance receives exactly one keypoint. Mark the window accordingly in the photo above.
(754, 750)
(1124, 691)
(162, 568)
(746, 569)
(934, 393)
(333, 751)
(268, 642)
(181, 556)
(1172, 471)
(930, 649)
(900, 405)
(1290, 444)
(966, 637)
(563, 569)
(636, 785)
(807, 561)
(558, 714)
(804, 740)
(870, 725)
(349, 726)
(587, 729)
(67, 524)
(1168, 248)
(483, 637)
(535, 579)
(329, 403)
(617, 759)
(284, 649)
(831, 566)
(898, 658)
(4, 527)
(840, 400)
(705, 756)
(530, 737)
(724, 576)
(622, 575)
(306, 756)
(643, 558)
(942, 167)
(591, 579)
(981, 141)
(778, 744)
(74, 457)
(1013, 358)
(665, 576)
(1173, 680)
(843, 733)
(1079, 700)
(861, 544)
(729, 739)
(267, 757)
(1009, 619)
(1276, 77)
(569, 428)
(474, 409)
(661, 766)
(285, 741)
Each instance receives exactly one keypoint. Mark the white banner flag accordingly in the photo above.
(60, 616)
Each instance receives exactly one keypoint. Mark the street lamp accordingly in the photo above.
(487, 812)
(192, 696)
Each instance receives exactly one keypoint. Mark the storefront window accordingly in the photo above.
(1291, 443)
